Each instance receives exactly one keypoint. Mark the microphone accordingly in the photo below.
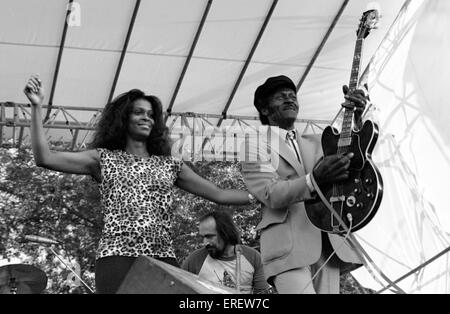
(38, 239)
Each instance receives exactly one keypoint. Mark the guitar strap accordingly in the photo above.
(359, 250)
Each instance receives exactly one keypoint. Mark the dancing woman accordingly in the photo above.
(132, 163)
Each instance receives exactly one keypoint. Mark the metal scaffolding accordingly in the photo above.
(196, 135)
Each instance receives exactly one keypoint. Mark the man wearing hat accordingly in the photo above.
(278, 173)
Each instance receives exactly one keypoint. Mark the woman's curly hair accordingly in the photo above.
(112, 129)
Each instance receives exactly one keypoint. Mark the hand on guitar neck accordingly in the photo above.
(356, 100)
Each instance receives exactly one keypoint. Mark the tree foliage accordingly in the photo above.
(66, 208)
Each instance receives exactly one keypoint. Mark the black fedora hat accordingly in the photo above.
(269, 86)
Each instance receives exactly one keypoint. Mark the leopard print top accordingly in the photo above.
(136, 194)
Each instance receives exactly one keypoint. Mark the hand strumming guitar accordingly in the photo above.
(332, 168)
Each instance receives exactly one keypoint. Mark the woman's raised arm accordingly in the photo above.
(85, 162)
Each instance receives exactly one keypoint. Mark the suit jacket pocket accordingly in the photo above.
(276, 241)
(272, 216)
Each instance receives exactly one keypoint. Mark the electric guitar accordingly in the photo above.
(355, 200)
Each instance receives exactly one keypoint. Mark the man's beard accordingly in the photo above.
(214, 252)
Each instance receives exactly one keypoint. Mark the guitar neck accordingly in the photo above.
(354, 76)
(346, 132)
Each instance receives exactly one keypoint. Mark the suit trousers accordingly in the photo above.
(299, 280)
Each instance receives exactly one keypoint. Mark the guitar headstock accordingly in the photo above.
(368, 22)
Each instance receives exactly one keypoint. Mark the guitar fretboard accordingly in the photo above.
(346, 132)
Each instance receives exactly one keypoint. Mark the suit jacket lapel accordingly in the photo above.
(284, 151)
(310, 152)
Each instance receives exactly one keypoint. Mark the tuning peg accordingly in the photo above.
(373, 6)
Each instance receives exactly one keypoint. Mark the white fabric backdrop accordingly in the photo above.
(408, 80)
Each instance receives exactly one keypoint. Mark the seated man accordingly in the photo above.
(223, 260)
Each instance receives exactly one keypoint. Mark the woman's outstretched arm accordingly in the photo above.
(86, 162)
(189, 181)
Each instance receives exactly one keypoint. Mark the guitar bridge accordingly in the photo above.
(334, 199)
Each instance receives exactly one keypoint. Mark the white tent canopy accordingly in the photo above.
(198, 56)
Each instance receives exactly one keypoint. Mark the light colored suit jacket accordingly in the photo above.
(277, 179)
